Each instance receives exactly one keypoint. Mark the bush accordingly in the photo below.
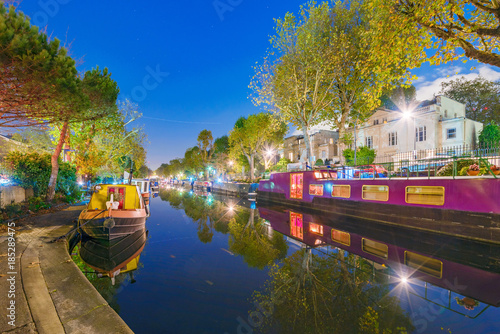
(281, 166)
(319, 162)
(447, 170)
(36, 203)
(33, 170)
(12, 210)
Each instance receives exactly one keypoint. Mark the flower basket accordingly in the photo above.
(473, 170)
(494, 169)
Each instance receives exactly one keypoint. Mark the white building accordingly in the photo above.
(435, 124)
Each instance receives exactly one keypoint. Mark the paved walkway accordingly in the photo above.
(51, 294)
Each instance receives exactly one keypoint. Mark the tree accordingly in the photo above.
(480, 96)
(250, 134)
(400, 98)
(364, 156)
(206, 145)
(95, 98)
(193, 161)
(293, 79)
(490, 135)
(37, 77)
(470, 26)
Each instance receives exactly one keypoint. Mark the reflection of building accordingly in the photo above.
(324, 144)
(438, 123)
(7, 144)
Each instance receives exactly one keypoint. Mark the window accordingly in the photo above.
(331, 141)
(421, 133)
(375, 193)
(316, 189)
(451, 133)
(296, 185)
(369, 142)
(296, 225)
(384, 119)
(341, 237)
(341, 190)
(323, 155)
(375, 122)
(424, 264)
(430, 195)
(375, 248)
(445, 113)
(316, 228)
(393, 138)
(290, 156)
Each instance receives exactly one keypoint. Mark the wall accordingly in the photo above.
(13, 194)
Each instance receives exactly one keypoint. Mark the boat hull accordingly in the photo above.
(98, 225)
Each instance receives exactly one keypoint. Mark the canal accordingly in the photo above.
(211, 264)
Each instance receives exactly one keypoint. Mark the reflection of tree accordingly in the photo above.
(208, 215)
(337, 293)
(250, 239)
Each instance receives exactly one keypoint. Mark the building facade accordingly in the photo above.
(436, 124)
(324, 144)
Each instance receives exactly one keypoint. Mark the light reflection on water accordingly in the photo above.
(222, 265)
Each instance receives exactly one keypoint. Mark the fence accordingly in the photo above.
(429, 162)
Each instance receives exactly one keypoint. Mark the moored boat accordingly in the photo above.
(144, 188)
(113, 211)
(464, 206)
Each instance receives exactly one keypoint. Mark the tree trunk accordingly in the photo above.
(55, 163)
(252, 164)
(308, 144)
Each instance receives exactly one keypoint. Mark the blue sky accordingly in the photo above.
(186, 63)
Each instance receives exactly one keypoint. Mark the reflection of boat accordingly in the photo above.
(448, 262)
(462, 206)
(113, 211)
(154, 184)
(111, 258)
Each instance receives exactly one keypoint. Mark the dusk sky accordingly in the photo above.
(186, 63)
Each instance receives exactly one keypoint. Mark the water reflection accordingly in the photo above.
(219, 264)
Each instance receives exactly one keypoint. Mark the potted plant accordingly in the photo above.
(473, 170)
(467, 302)
(495, 170)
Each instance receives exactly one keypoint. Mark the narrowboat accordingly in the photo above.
(144, 188)
(154, 184)
(451, 263)
(466, 206)
(113, 211)
(111, 258)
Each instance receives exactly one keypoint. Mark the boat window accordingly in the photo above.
(333, 174)
(375, 248)
(296, 225)
(118, 195)
(326, 175)
(425, 195)
(341, 190)
(376, 193)
(424, 264)
(316, 228)
(296, 185)
(341, 237)
(316, 189)
(318, 175)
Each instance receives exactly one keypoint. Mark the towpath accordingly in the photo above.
(44, 289)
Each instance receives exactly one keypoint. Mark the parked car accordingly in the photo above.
(370, 171)
(429, 164)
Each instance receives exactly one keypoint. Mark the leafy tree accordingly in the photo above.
(480, 96)
(490, 135)
(467, 26)
(249, 136)
(281, 166)
(193, 162)
(364, 156)
(221, 144)
(400, 98)
(206, 146)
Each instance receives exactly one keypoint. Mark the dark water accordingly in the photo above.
(209, 268)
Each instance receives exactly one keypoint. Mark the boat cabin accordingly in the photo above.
(123, 196)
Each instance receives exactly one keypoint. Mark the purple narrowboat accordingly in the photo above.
(462, 206)
(448, 262)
